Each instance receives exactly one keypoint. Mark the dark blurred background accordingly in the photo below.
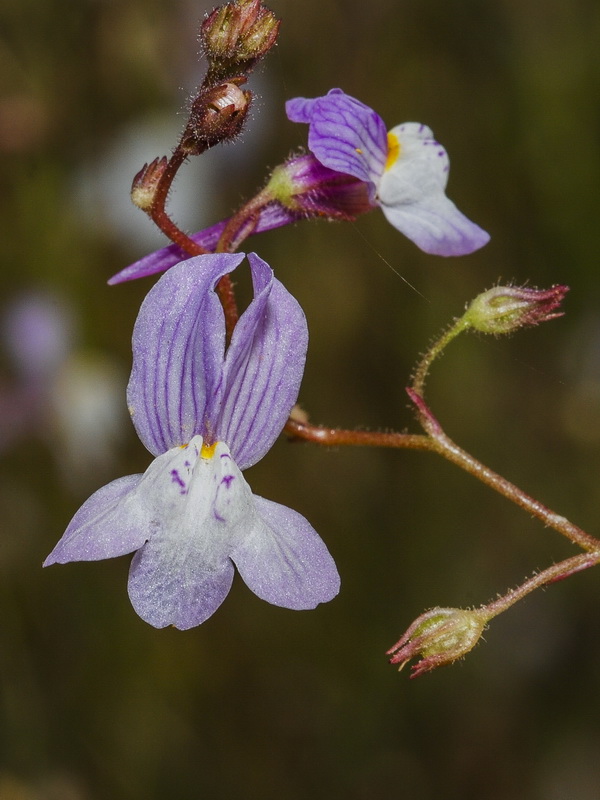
(261, 702)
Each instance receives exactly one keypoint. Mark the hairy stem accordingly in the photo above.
(556, 572)
(160, 217)
(424, 365)
(243, 223)
(436, 441)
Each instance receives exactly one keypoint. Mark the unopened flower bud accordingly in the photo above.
(217, 114)
(235, 36)
(260, 37)
(505, 309)
(307, 188)
(439, 636)
(220, 31)
(145, 183)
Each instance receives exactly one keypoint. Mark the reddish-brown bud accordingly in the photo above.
(235, 36)
(217, 114)
(145, 183)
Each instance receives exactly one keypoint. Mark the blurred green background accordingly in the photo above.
(261, 702)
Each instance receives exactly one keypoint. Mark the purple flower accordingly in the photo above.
(406, 169)
(206, 412)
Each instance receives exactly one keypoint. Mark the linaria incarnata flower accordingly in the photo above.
(206, 412)
(405, 169)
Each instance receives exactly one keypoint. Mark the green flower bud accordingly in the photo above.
(505, 309)
(440, 636)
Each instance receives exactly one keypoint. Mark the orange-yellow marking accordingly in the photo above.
(393, 150)
(208, 451)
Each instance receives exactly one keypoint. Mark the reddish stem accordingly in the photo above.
(436, 441)
(556, 572)
(336, 436)
(160, 217)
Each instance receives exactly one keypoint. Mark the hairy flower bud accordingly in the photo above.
(145, 183)
(235, 36)
(217, 114)
(505, 309)
(307, 188)
(441, 636)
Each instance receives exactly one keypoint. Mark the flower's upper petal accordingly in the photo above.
(284, 561)
(203, 509)
(178, 345)
(263, 369)
(109, 524)
(300, 109)
(271, 216)
(345, 135)
(411, 194)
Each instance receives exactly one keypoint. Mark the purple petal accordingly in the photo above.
(271, 216)
(437, 227)
(263, 369)
(178, 596)
(178, 345)
(345, 135)
(284, 561)
(105, 526)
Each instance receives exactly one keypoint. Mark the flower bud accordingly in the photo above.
(145, 183)
(235, 36)
(440, 635)
(307, 188)
(217, 114)
(505, 309)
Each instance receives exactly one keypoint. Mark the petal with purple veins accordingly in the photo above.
(178, 345)
(263, 369)
(284, 561)
(344, 134)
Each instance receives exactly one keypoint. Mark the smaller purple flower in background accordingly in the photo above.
(206, 412)
(354, 166)
(405, 169)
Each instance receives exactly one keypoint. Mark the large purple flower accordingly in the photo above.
(406, 169)
(206, 412)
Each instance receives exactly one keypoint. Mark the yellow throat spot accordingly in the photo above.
(208, 451)
(393, 150)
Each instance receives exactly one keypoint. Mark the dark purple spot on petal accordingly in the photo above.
(227, 480)
(176, 478)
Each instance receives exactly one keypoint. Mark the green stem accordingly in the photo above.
(424, 365)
